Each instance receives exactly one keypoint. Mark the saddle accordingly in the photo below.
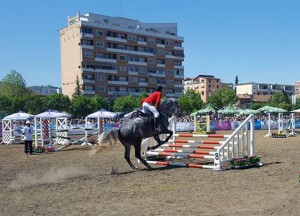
(149, 117)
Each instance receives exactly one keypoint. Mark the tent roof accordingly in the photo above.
(53, 114)
(19, 116)
(102, 114)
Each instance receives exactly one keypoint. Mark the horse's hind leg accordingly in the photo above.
(138, 156)
(127, 156)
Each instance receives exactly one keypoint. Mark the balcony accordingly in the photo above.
(106, 60)
(115, 82)
(178, 67)
(133, 73)
(84, 81)
(137, 63)
(87, 35)
(178, 48)
(110, 71)
(88, 92)
(175, 57)
(87, 46)
(179, 76)
(88, 69)
(121, 40)
(129, 52)
(173, 94)
(178, 85)
(142, 43)
(161, 65)
(160, 45)
(143, 84)
(156, 75)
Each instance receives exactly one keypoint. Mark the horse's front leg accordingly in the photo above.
(167, 131)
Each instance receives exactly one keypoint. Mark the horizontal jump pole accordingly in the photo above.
(189, 146)
(181, 164)
(202, 135)
(199, 141)
(184, 151)
(185, 155)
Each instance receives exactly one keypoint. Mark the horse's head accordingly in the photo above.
(170, 107)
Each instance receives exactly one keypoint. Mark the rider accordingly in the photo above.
(150, 102)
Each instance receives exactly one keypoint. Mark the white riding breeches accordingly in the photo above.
(148, 107)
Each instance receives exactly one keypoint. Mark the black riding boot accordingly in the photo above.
(156, 125)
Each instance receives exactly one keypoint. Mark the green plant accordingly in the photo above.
(245, 161)
(39, 149)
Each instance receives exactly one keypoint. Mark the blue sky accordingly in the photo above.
(257, 40)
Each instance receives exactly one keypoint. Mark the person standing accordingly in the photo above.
(27, 133)
(152, 104)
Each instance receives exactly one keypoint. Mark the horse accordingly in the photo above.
(132, 132)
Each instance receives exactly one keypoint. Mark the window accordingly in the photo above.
(122, 89)
(122, 79)
(99, 33)
(86, 42)
(131, 37)
(122, 58)
(123, 68)
(101, 77)
(87, 87)
(160, 52)
(133, 79)
(151, 61)
(152, 81)
(151, 40)
(99, 44)
(132, 68)
(101, 88)
(121, 46)
(143, 70)
(142, 79)
(88, 54)
(87, 30)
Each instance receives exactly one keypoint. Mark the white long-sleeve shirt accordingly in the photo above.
(28, 132)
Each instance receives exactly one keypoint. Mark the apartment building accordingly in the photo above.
(115, 56)
(263, 89)
(204, 84)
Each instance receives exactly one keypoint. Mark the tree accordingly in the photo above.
(236, 80)
(77, 91)
(126, 103)
(281, 100)
(223, 97)
(81, 106)
(99, 103)
(33, 104)
(58, 102)
(5, 105)
(190, 101)
(13, 84)
(295, 106)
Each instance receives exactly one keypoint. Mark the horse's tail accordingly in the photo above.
(107, 140)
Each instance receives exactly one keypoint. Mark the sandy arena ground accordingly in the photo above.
(70, 182)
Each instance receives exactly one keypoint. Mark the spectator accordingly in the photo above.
(27, 133)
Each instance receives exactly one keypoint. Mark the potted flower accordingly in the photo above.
(245, 162)
(39, 149)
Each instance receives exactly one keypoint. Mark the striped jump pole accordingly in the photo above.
(181, 164)
(185, 151)
(202, 135)
(183, 155)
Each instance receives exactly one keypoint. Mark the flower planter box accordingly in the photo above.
(245, 162)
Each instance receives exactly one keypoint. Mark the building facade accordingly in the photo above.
(203, 84)
(114, 56)
(45, 90)
(263, 89)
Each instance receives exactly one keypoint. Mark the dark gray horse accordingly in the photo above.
(135, 130)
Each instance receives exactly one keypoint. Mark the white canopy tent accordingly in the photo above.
(8, 128)
(100, 115)
(45, 130)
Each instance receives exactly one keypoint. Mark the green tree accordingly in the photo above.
(126, 103)
(81, 106)
(190, 101)
(281, 100)
(77, 91)
(5, 105)
(223, 97)
(295, 106)
(34, 104)
(57, 102)
(13, 84)
(99, 102)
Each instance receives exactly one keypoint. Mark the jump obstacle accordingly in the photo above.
(216, 154)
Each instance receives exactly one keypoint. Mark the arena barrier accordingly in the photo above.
(211, 151)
